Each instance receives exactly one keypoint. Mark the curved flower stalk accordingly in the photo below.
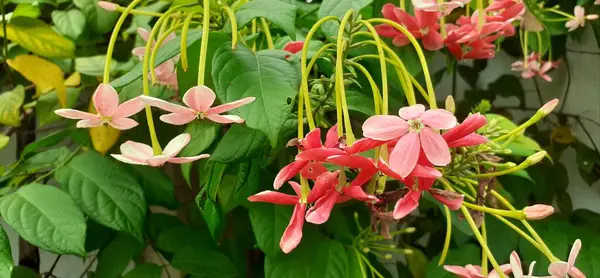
(142, 154)
(199, 100)
(109, 112)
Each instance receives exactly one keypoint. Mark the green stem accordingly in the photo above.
(204, 42)
(374, 88)
(253, 30)
(339, 82)
(113, 40)
(484, 258)
(520, 215)
(448, 236)
(159, 42)
(265, 27)
(570, 16)
(183, 45)
(481, 16)
(382, 65)
(234, 27)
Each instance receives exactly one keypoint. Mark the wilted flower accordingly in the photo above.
(142, 154)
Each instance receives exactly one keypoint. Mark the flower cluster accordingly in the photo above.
(534, 66)
(165, 72)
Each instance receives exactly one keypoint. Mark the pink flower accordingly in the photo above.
(423, 26)
(142, 154)
(463, 135)
(294, 47)
(508, 10)
(561, 269)
(434, 6)
(165, 73)
(517, 269)
(537, 212)
(293, 233)
(199, 100)
(534, 66)
(474, 271)
(106, 102)
(111, 7)
(579, 18)
(415, 128)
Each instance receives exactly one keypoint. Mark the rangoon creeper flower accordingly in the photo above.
(561, 269)
(199, 100)
(423, 26)
(415, 130)
(534, 67)
(463, 135)
(474, 271)
(106, 102)
(508, 10)
(294, 47)
(537, 212)
(165, 72)
(517, 269)
(434, 6)
(142, 154)
(580, 18)
(111, 7)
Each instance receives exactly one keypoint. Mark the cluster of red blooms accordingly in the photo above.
(468, 38)
(415, 147)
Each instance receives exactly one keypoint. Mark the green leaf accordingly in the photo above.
(268, 223)
(38, 37)
(267, 76)
(10, 106)
(338, 8)
(101, 21)
(31, 2)
(281, 14)
(69, 23)
(467, 254)
(114, 258)
(548, 18)
(94, 65)
(6, 259)
(500, 248)
(156, 223)
(97, 236)
(105, 191)
(189, 78)
(239, 143)
(23, 272)
(45, 142)
(203, 134)
(4, 141)
(215, 220)
(361, 103)
(39, 162)
(146, 270)
(159, 189)
(244, 183)
(34, 213)
(27, 10)
(417, 263)
(49, 102)
(205, 263)
(522, 145)
(556, 239)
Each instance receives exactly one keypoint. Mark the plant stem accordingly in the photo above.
(339, 82)
(382, 65)
(484, 258)
(49, 273)
(159, 42)
(234, 27)
(204, 42)
(265, 28)
(520, 215)
(537, 90)
(447, 238)
(482, 242)
(183, 42)
(567, 89)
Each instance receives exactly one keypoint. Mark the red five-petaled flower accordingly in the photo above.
(423, 26)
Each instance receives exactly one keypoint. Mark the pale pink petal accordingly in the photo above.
(158, 160)
(187, 159)
(167, 106)
(505, 268)
(425, 5)
(297, 188)
(433, 41)
(129, 108)
(438, 118)
(435, 148)
(169, 38)
(572, 25)
(363, 145)
(319, 154)
(427, 172)
(527, 74)
(143, 33)
(325, 182)
(384, 127)
(468, 141)
(136, 150)
(405, 155)
(357, 193)
(406, 205)
(75, 114)
(312, 139)
(106, 100)
(229, 106)
(579, 13)
(451, 199)
(558, 269)
(177, 118)
(411, 112)
(313, 170)
(274, 197)
(199, 98)
(89, 123)
(515, 264)
(320, 212)
(546, 77)
(139, 51)
(293, 233)
(224, 119)
(123, 123)
(128, 159)
(331, 138)
(576, 273)
(538, 211)
(574, 252)
(288, 172)
(176, 144)
(475, 271)
(458, 270)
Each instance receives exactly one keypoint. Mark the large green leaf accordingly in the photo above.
(467, 254)
(280, 13)
(114, 258)
(6, 260)
(159, 189)
(70, 23)
(177, 239)
(268, 223)
(522, 145)
(203, 134)
(10, 106)
(46, 217)
(146, 270)
(205, 263)
(338, 8)
(267, 76)
(101, 21)
(39, 162)
(105, 191)
(239, 143)
(38, 37)
(45, 142)
(189, 78)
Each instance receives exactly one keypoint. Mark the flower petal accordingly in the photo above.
(405, 155)
(165, 105)
(320, 212)
(158, 160)
(384, 127)
(576, 273)
(363, 145)
(458, 270)
(123, 123)
(426, 19)
(129, 108)
(187, 159)
(331, 138)
(435, 148)
(274, 197)
(468, 141)
(558, 269)
(515, 264)
(386, 170)
(199, 98)
(128, 160)
(106, 100)
(451, 199)
(229, 106)
(357, 193)
(313, 170)
(433, 41)
(288, 172)
(312, 139)
(438, 118)
(471, 124)
(293, 232)
(352, 161)
(294, 47)
(139, 51)
(136, 150)
(427, 172)
(574, 252)
(177, 118)
(364, 176)
(406, 205)
(224, 119)
(411, 112)
(75, 114)
(388, 12)
(387, 31)
(176, 145)
(406, 19)
(88, 123)
(319, 154)
(325, 182)
(144, 34)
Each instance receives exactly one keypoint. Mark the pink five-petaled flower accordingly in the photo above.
(108, 110)
(198, 99)
(416, 134)
(517, 269)
(293, 233)
(535, 66)
(474, 271)
(423, 26)
(142, 154)
(435, 6)
(561, 269)
(421, 179)
(463, 135)
(579, 18)
(508, 10)
(165, 72)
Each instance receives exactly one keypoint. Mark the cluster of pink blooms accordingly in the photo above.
(416, 147)
(534, 66)
(165, 72)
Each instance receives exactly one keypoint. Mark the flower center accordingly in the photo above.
(200, 115)
(105, 120)
(415, 125)
(424, 31)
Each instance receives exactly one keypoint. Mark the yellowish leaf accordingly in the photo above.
(38, 37)
(103, 137)
(73, 80)
(44, 74)
(3, 141)
(10, 106)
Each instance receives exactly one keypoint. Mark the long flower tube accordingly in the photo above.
(382, 64)
(183, 41)
(343, 115)
(159, 42)
(204, 42)
(234, 27)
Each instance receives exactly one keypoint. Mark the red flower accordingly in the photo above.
(463, 135)
(294, 47)
(423, 26)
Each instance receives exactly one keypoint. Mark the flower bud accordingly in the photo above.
(548, 107)
(536, 157)
(537, 212)
(450, 106)
(111, 7)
